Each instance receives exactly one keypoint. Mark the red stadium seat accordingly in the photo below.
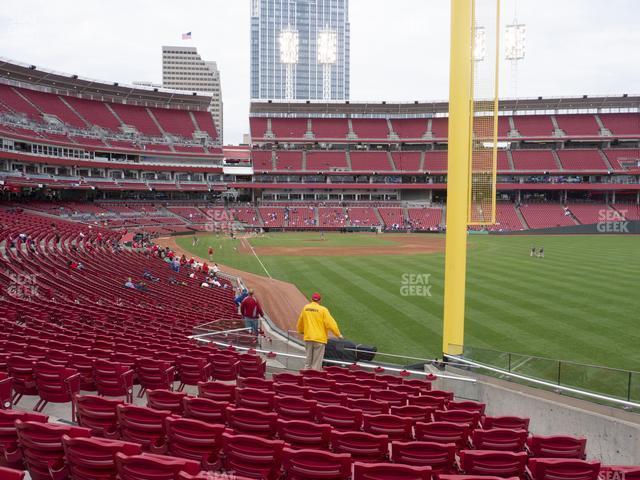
(353, 390)
(489, 462)
(362, 446)
(56, 384)
(315, 465)
(295, 408)
(562, 469)
(368, 406)
(457, 416)
(192, 370)
(255, 382)
(255, 399)
(326, 397)
(340, 418)
(252, 422)
(144, 426)
(390, 471)
(514, 423)
(441, 457)
(290, 390)
(427, 401)
(557, 446)
(10, 454)
(41, 445)
(415, 412)
(93, 458)
(98, 414)
(218, 391)
(11, 474)
(113, 380)
(251, 365)
(392, 397)
(22, 370)
(166, 400)
(287, 378)
(319, 383)
(152, 467)
(6, 391)
(303, 434)
(154, 375)
(251, 456)
(467, 405)
(499, 439)
(394, 426)
(195, 440)
(224, 367)
(204, 409)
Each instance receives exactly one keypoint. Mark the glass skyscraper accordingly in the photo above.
(300, 49)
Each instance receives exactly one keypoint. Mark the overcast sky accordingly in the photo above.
(399, 48)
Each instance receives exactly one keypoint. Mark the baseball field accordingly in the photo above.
(578, 303)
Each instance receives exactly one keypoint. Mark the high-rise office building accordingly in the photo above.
(300, 49)
(184, 69)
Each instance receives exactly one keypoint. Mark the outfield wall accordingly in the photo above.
(609, 228)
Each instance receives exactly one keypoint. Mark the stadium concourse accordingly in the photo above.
(99, 380)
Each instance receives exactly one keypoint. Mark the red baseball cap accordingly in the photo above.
(316, 297)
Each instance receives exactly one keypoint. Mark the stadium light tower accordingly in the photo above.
(480, 44)
(289, 57)
(514, 41)
(327, 56)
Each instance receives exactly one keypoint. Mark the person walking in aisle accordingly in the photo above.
(314, 323)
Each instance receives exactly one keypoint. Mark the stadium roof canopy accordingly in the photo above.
(583, 104)
(30, 76)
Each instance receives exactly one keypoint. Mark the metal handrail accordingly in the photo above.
(577, 391)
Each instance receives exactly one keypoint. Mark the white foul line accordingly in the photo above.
(258, 258)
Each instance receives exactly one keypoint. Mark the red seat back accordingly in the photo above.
(98, 414)
(93, 458)
(204, 409)
(165, 400)
(195, 440)
(221, 392)
(395, 427)
(294, 408)
(340, 418)
(557, 446)
(489, 462)
(252, 456)
(563, 469)
(303, 434)
(315, 464)
(362, 446)
(441, 457)
(388, 471)
(144, 426)
(499, 439)
(252, 422)
(153, 467)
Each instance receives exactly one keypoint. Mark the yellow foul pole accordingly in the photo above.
(460, 111)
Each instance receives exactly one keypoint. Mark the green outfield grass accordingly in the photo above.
(579, 303)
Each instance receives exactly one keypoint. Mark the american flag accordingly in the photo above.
(186, 36)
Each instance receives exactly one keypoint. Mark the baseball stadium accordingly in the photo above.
(467, 269)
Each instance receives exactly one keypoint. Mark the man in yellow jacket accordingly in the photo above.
(314, 323)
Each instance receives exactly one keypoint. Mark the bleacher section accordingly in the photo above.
(534, 161)
(582, 160)
(425, 218)
(578, 125)
(330, 128)
(326, 161)
(370, 162)
(546, 215)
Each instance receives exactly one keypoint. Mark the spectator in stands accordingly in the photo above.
(314, 323)
(175, 265)
(129, 283)
(215, 268)
(214, 280)
(149, 276)
(251, 312)
(240, 297)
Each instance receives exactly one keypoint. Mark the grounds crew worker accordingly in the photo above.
(314, 323)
